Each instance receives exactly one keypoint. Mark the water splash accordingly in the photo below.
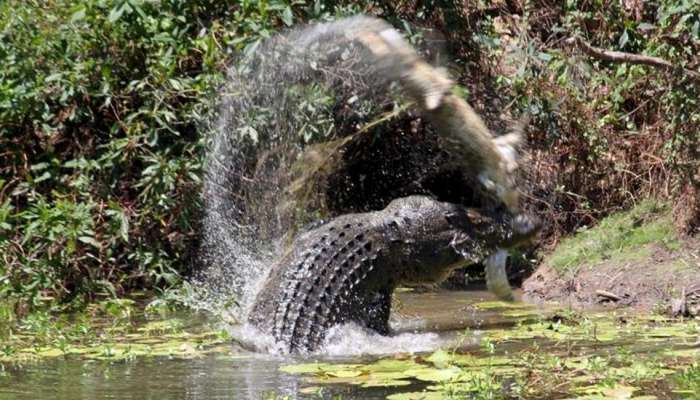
(287, 110)
(309, 86)
(354, 340)
(347, 340)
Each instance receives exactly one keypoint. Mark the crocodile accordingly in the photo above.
(346, 269)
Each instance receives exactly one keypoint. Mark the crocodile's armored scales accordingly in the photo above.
(347, 269)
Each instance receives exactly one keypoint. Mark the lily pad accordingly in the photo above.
(344, 373)
(50, 352)
(391, 365)
(313, 368)
(416, 396)
(489, 305)
(385, 383)
(434, 374)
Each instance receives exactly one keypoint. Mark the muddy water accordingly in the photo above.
(422, 321)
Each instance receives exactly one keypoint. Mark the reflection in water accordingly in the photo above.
(210, 377)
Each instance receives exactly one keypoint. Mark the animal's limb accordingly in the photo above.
(493, 159)
(496, 276)
(378, 311)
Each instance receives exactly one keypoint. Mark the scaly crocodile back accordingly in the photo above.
(311, 287)
(347, 269)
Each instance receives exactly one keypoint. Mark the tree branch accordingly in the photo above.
(620, 57)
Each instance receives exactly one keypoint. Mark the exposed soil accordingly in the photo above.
(665, 281)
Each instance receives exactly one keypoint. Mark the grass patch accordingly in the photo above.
(624, 235)
(687, 383)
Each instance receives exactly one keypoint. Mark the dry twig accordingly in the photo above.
(620, 57)
(608, 295)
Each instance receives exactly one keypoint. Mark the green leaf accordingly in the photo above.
(117, 12)
(645, 26)
(623, 39)
(440, 358)
(46, 175)
(304, 368)
(417, 396)
(434, 374)
(619, 392)
(90, 240)
(39, 166)
(287, 16)
(78, 15)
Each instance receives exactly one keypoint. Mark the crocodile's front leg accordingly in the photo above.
(378, 307)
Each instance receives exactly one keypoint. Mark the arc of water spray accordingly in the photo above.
(241, 231)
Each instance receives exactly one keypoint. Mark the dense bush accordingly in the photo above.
(103, 104)
(608, 133)
(104, 107)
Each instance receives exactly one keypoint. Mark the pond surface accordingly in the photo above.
(469, 346)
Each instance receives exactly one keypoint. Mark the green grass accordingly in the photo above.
(625, 235)
(687, 383)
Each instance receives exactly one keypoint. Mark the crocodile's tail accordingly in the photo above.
(493, 159)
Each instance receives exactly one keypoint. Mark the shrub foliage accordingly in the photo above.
(102, 104)
(104, 107)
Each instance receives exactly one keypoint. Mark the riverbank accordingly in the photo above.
(631, 259)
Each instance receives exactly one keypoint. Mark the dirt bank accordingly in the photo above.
(631, 259)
